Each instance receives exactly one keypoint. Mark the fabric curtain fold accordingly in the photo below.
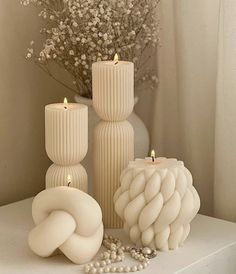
(225, 117)
(194, 113)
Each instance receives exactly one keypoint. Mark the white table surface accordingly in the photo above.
(210, 248)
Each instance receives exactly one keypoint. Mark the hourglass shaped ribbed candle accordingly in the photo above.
(66, 133)
(113, 100)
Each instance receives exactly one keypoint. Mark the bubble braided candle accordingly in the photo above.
(157, 201)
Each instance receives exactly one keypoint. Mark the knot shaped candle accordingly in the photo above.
(68, 219)
(157, 201)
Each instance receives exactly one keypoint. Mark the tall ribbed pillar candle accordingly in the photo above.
(113, 101)
(66, 134)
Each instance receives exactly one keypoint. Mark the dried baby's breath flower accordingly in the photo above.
(79, 32)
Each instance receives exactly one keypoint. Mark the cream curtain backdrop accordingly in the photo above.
(194, 111)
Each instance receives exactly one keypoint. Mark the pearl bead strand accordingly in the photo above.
(116, 253)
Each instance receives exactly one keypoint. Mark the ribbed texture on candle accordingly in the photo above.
(66, 133)
(113, 90)
(113, 149)
(58, 176)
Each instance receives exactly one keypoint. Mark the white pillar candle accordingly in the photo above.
(66, 133)
(113, 89)
(157, 201)
(68, 219)
(113, 100)
(113, 148)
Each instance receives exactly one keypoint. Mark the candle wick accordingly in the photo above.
(65, 107)
(116, 62)
(69, 184)
(153, 159)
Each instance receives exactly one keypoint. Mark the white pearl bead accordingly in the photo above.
(146, 250)
(113, 256)
(113, 269)
(86, 269)
(116, 253)
(97, 264)
(127, 269)
(145, 265)
(106, 269)
(140, 267)
(103, 263)
(120, 269)
(118, 258)
(106, 255)
(100, 270)
(108, 261)
(113, 247)
(93, 270)
(120, 251)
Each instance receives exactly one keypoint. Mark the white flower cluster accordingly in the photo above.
(80, 32)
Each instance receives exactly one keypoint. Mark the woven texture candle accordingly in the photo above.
(157, 201)
(66, 132)
(113, 100)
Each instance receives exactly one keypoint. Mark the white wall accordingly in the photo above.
(24, 91)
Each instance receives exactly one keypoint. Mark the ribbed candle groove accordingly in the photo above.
(66, 141)
(113, 101)
(113, 97)
(112, 152)
(57, 176)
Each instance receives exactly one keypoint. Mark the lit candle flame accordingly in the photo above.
(65, 102)
(68, 180)
(153, 155)
(116, 58)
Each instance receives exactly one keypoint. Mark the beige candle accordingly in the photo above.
(66, 219)
(113, 89)
(66, 133)
(157, 201)
(113, 100)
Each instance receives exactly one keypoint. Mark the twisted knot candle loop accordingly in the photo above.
(157, 205)
(67, 220)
